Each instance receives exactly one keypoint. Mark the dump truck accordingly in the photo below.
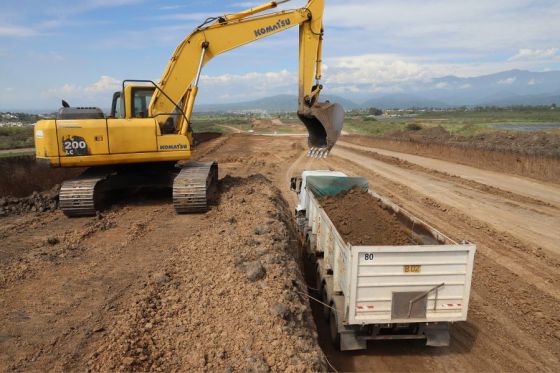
(383, 292)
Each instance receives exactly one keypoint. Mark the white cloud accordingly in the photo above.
(198, 17)
(534, 54)
(47, 56)
(84, 6)
(477, 25)
(371, 68)
(507, 81)
(247, 4)
(16, 31)
(171, 7)
(104, 85)
(242, 87)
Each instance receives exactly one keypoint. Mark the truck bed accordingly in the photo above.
(425, 282)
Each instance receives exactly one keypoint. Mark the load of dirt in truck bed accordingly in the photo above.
(362, 220)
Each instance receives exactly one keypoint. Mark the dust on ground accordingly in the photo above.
(362, 220)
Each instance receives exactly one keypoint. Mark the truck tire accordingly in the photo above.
(325, 311)
(322, 295)
(333, 328)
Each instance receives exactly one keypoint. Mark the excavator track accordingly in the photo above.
(195, 186)
(79, 197)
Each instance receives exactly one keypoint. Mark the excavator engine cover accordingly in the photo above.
(324, 121)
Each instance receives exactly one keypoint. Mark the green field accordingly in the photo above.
(16, 137)
(222, 123)
(460, 122)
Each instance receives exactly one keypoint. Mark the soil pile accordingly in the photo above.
(534, 143)
(36, 202)
(362, 220)
(232, 298)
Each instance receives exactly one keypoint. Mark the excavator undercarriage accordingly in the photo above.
(194, 186)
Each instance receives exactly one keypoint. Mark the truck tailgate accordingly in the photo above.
(402, 284)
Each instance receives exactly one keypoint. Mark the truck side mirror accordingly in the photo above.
(293, 184)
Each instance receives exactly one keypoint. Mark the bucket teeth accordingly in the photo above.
(318, 153)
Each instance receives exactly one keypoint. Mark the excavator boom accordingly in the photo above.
(220, 34)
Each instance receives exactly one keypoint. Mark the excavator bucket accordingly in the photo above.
(324, 122)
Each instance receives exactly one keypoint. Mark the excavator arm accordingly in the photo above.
(179, 83)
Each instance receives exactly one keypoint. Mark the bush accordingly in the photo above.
(413, 127)
(16, 137)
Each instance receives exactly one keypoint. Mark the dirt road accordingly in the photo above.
(136, 289)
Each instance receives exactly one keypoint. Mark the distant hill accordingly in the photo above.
(401, 100)
(513, 87)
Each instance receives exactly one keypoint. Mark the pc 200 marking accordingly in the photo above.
(75, 146)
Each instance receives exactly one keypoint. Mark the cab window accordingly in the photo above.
(141, 102)
(119, 108)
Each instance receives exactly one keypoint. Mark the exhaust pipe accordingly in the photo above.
(324, 121)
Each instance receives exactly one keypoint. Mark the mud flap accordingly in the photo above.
(349, 341)
(437, 335)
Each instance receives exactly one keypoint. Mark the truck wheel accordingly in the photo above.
(326, 311)
(318, 283)
(333, 328)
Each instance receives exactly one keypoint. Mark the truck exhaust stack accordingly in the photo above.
(324, 121)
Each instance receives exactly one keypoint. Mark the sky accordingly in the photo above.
(82, 50)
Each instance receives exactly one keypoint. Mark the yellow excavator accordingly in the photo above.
(148, 130)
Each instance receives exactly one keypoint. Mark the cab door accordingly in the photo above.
(133, 133)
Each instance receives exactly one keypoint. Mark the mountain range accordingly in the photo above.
(513, 87)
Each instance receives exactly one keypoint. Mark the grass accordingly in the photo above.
(219, 123)
(459, 122)
(16, 137)
(16, 153)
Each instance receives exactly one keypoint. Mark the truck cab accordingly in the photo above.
(298, 184)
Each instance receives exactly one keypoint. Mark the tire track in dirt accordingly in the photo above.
(58, 316)
(51, 328)
(485, 188)
(538, 228)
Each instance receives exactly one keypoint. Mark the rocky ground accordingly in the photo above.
(141, 288)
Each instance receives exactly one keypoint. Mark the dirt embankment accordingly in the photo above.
(362, 220)
(535, 155)
(21, 176)
(231, 299)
